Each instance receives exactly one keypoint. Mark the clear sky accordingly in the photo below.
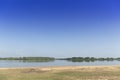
(60, 28)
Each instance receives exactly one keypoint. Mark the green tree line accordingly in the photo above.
(47, 59)
(30, 59)
(88, 59)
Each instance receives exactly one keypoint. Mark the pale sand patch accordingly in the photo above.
(88, 68)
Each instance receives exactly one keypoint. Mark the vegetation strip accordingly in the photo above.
(47, 59)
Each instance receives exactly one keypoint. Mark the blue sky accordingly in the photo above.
(60, 28)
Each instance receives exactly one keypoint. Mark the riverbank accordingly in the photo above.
(61, 73)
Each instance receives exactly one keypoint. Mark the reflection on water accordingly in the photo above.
(22, 63)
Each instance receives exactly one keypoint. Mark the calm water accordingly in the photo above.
(4, 63)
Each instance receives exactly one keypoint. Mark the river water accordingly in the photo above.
(10, 64)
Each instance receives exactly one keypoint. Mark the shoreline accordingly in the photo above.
(49, 68)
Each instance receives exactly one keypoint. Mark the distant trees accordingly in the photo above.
(107, 59)
(89, 59)
(47, 59)
(30, 59)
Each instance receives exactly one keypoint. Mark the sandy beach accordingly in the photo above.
(61, 73)
(58, 68)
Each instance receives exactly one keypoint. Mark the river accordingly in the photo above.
(10, 64)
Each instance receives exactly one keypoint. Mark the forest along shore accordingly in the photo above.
(72, 59)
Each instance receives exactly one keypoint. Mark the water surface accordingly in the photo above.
(8, 64)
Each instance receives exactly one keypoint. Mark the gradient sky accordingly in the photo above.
(60, 28)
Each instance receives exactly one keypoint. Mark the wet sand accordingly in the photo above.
(108, 68)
